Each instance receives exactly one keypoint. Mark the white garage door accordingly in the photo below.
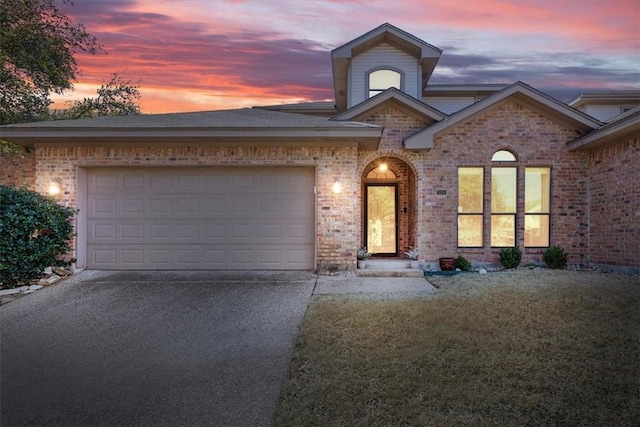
(201, 218)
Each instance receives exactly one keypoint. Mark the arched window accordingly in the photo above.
(504, 206)
(503, 156)
(383, 79)
(381, 173)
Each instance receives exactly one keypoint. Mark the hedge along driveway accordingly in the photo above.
(172, 348)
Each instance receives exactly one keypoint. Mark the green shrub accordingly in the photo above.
(35, 233)
(555, 257)
(510, 257)
(462, 263)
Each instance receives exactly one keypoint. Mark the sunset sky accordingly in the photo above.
(194, 55)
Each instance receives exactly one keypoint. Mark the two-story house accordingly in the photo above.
(393, 163)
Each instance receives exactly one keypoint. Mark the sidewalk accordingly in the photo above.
(389, 286)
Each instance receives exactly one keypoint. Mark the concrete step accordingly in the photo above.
(388, 264)
(385, 267)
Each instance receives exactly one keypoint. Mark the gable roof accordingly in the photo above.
(523, 94)
(391, 95)
(238, 127)
(622, 126)
(427, 55)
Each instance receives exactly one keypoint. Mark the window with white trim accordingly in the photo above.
(381, 80)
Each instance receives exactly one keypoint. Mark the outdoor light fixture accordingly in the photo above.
(383, 167)
(337, 187)
(54, 189)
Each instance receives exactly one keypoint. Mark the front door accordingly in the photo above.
(381, 217)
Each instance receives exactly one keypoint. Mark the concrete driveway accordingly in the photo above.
(172, 348)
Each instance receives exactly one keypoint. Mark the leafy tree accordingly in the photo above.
(35, 233)
(116, 98)
(37, 44)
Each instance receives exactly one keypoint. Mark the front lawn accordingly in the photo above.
(525, 347)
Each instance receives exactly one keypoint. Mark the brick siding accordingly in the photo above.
(18, 169)
(614, 192)
(533, 138)
(337, 226)
(536, 141)
(605, 233)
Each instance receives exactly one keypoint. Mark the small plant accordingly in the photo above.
(413, 254)
(363, 254)
(555, 257)
(510, 257)
(463, 264)
(35, 233)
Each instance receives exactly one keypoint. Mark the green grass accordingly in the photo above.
(529, 347)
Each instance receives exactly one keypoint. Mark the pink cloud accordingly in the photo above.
(218, 54)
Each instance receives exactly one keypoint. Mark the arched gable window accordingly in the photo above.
(503, 156)
(382, 79)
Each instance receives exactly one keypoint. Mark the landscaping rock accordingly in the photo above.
(63, 272)
(482, 271)
(50, 280)
(4, 292)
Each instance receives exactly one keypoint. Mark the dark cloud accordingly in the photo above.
(164, 52)
(161, 51)
(547, 74)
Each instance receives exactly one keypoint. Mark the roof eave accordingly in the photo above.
(608, 134)
(419, 141)
(364, 137)
(390, 94)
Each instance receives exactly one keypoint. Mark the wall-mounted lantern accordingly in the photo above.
(54, 188)
(336, 187)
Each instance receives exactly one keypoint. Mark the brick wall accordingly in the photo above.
(398, 124)
(614, 192)
(536, 141)
(431, 221)
(337, 215)
(19, 169)
(533, 138)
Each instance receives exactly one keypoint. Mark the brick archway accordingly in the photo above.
(401, 175)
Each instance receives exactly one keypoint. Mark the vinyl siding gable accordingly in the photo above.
(379, 57)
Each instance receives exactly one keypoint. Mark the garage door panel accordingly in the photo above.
(142, 257)
(201, 218)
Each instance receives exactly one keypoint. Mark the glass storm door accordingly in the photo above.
(381, 215)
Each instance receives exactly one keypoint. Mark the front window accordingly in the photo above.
(504, 206)
(537, 200)
(470, 205)
(381, 80)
